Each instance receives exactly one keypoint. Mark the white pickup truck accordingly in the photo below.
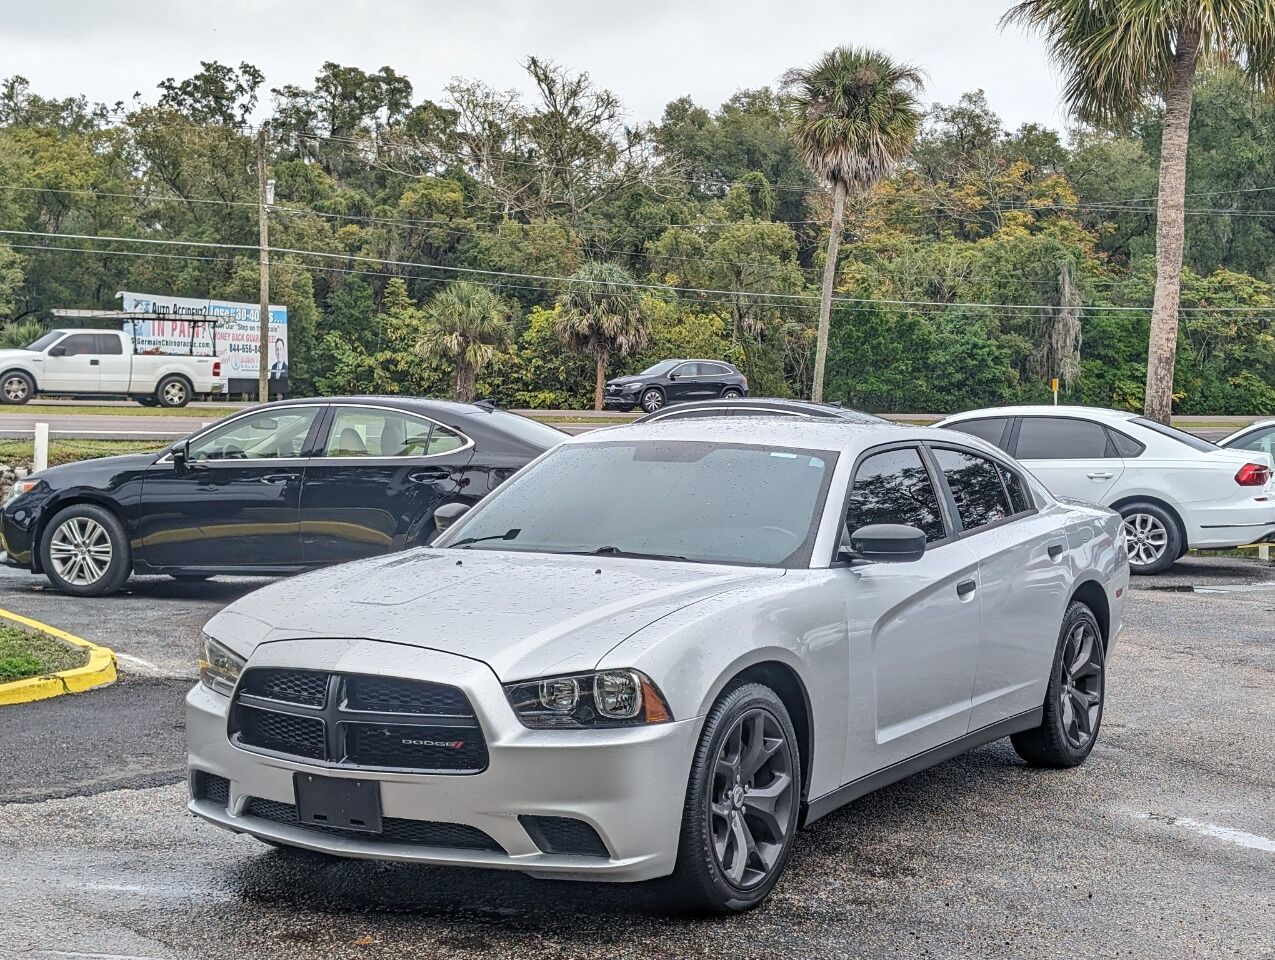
(88, 362)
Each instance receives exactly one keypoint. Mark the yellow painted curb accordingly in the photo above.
(98, 672)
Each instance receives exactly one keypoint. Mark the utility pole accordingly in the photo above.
(263, 203)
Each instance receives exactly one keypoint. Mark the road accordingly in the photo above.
(20, 422)
(1160, 846)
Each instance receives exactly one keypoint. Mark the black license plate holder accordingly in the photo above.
(337, 802)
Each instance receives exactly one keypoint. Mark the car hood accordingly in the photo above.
(625, 381)
(523, 614)
(94, 471)
(17, 353)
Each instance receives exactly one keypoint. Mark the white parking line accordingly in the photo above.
(1239, 838)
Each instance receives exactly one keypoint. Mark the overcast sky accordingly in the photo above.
(648, 51)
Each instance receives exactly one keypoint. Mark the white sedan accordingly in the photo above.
(659, 650)
(1174, 490)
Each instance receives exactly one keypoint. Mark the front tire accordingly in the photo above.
(742, 802)
(16, 388)
(84, 551)
(1074, 698)
(652, 399)
(1153, 537)
(173, 391)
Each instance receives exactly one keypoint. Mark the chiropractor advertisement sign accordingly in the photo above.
(238, 331)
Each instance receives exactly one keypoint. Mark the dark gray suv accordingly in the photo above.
(675, 381)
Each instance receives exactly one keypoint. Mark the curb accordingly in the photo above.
(98, 672)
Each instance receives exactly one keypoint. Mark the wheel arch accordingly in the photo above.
(1160, 502)
(181, 375)
(790, 689)
(56, 505)
(1092, 595)
(29, 374)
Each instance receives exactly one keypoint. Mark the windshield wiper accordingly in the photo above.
(507, 535)
(610, 551)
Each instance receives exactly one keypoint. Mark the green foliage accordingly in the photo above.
(465, 324)
(19, 334)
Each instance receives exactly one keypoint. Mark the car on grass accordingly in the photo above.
(759, 407)
(277, 489)
(659, 651)
(675, 381)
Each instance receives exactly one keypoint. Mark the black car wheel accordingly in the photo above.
(173, 391)
(730, 393)
(740, 817)
(652, 399)
(16, 387)
(84, 551)
(1074, 697)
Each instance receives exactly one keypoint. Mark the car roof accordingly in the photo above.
(806, 407)
(1044, 410)
(419, 404)
(812, 433)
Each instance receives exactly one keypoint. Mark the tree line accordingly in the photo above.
(523, 248)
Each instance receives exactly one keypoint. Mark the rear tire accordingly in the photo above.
(84, 551)
(1154, 539)
(1074, 698)
(742, 801)
(730, 393)
(16, 388)
(173, 391)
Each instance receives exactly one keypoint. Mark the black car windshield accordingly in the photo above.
(701, 501)
(661, 368)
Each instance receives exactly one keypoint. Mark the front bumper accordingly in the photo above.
(620, 401)
(627, 784)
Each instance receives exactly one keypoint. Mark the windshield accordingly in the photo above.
(700, 501)
(661, 368)
(46, 341)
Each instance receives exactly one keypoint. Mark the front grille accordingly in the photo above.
(425, 833)
(306, 687)
(426, 748)
(392, 695)
(564, 835)
(210, 787)
(282, 732)
(358, 720)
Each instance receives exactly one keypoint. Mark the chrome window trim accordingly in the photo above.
(337, 407)
(168, 457)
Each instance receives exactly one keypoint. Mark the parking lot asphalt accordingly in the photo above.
(1162, 845)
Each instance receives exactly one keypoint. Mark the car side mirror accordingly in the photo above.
(672, 376)
(179, 452)
(448, 514)
(886, 543)
(58, 351)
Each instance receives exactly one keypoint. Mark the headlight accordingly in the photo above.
(608, 698)
(20, 488)
(631, 387)
(219, 667)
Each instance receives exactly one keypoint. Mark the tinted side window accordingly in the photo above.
(713, 369)
(1125, 445)
(991, 429)
(376, 433)
(895, 487)
(108, 343)
(1060, 438)
(82, 344)
(1018, 498)
(443, 440)
(976, 487)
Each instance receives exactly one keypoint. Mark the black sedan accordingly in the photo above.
(675, 381)
(273, 490)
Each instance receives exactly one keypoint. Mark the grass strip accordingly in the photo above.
(24, 654)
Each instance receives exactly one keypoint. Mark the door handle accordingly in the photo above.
(278, 478)
(1055, 551)
(428, 475)
(94, 363)
(965, 588)
(1100, 475)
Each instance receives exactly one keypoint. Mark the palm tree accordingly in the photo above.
(854, 115)
(465, 323)
(1118, 54)
(601, 314)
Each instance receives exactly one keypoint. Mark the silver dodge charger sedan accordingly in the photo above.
(661, 649)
